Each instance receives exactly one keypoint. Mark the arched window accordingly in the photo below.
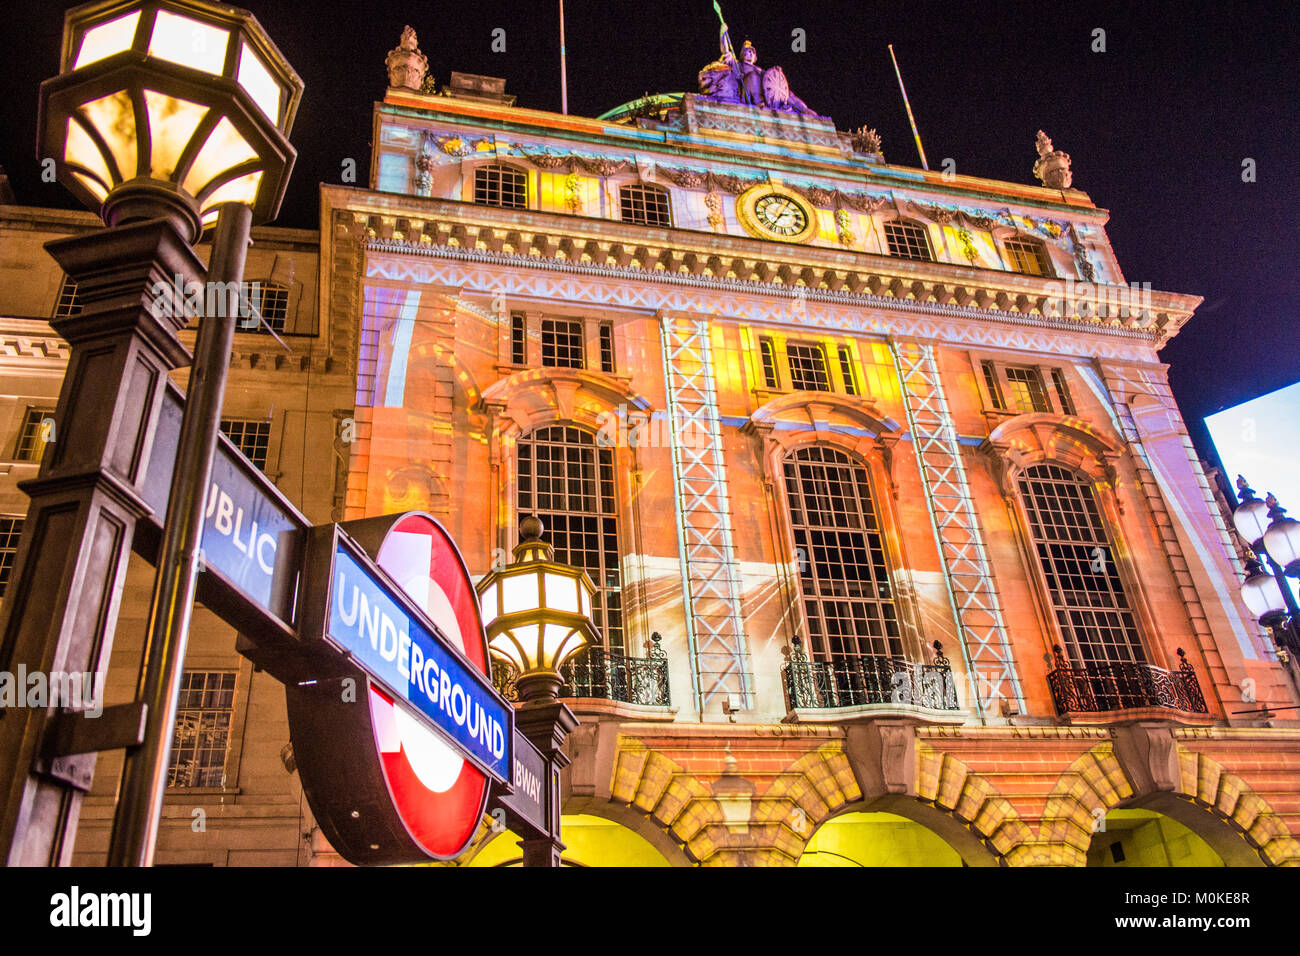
(847, 596)
(645, 204)
(1078, 562)
(1028, 256)
(497, 184)
(908, 240)
(568, 481)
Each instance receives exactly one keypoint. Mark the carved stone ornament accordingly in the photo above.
(1053, 166)
(942, 214)
(865, 140)
(407, 66)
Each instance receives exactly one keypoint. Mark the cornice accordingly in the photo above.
(598, 247)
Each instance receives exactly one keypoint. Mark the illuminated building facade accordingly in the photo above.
(903, 554)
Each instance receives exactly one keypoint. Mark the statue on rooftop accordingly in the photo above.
(1053, 166)
(407, 66)
(741, 80)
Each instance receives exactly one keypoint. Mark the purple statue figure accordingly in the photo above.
(743, 81)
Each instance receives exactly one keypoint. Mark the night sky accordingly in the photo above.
(1158, 125)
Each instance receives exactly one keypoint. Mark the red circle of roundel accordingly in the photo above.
(439, 795)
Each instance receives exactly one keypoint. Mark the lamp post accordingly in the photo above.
(1275, 539)
(167, 116)
(537, 613)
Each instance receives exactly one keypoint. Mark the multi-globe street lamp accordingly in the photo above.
(1275, 540)
(537, 613)
(167, 117)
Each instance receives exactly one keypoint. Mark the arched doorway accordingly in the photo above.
(1147, 838)
(588, 841)
(876, 839)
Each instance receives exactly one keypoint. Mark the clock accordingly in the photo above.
(770, 211)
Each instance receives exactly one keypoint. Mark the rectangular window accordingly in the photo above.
(1025, 390)
(1062, 393)
(768, 353)
(807, 367)
(518, 343)
(991, 382)
(203, 716)
(846, 370)
(645, 205)
(607, 348)
(562, 343)
(1028, 256)
(66, 304)
(268, 300)
(250, 437)
(11, 529)
(37, 432)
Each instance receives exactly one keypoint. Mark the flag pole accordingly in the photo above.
(910, 118)
(564, 76)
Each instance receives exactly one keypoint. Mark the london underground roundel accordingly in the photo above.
(384, 785)
(439, 795)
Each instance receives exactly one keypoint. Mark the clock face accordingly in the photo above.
(781, 215)
(771, 211)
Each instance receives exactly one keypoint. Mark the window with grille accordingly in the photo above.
(645, 205)
(250, 437)
(11, 529)
(270, 300)
(562, 343)
(768, 353)
(518, 341)
(846, 370)
(1078, 563)
(1028, 256)
(66, 304)
(908, 240)
(607, 348)
(844, 578)
(37, 432)
(1062, 392)
(1025, 391)
(203, 715)
(499, 185)
(568, 482)
(991, 382)
(807, 367)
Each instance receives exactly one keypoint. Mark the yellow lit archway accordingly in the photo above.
(588, 841)
(1135, 837)
(876, 839)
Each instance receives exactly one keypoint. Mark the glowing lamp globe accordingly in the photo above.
(537, 612)
(1263, 596)
(168, 109)
(1251, 517)
(1282, 541)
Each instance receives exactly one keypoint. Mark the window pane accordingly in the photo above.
(570, 487)
(1078, 563)
(250, 437)
(844, 578)
(907, 240)
(1028, 256)
(807, 367)
(202, 735)
(646, 205)
(562, 343)
(499, 185)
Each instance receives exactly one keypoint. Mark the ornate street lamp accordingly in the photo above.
(169, 108)
(537, 613)
(172, 112)
(1275, 539)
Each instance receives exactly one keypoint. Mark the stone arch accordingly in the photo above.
(1041, 436)
(946, 797)
(426, 358)
(534, 397)
(639, 823)
(658, 789)
(1218, 806)
(850, 423)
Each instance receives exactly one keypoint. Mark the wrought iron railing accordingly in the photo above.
(603, 674)
(852, 681)
(1097, 686)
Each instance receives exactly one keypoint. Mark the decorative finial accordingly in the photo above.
(1053, 166)
(407, 66)
(531, 529)
(1244, 492)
